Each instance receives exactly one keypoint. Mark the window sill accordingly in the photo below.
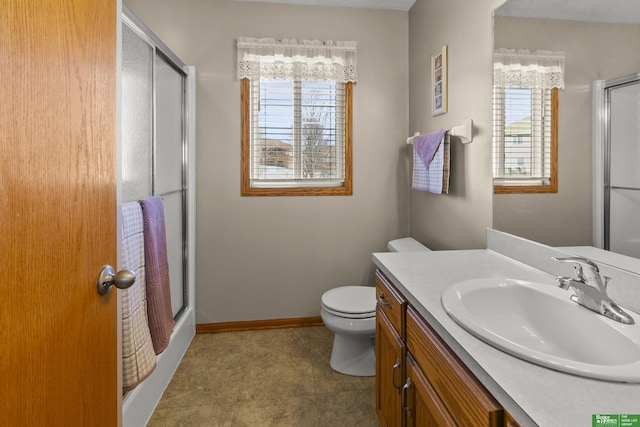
(524, 189)
(297, 191)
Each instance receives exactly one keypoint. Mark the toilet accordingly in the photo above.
(350, 313)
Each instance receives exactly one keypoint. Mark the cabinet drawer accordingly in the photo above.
(466, 399)
(391, 302)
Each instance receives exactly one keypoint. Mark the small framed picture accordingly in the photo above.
(439, 81)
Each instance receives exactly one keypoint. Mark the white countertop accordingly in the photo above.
(532, 394)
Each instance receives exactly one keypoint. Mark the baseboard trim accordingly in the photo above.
(254, 325)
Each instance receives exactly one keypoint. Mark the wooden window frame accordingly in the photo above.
(247, 190)
(552, 187)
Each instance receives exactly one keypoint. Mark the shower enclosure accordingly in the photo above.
(616, 157)
(157, 159)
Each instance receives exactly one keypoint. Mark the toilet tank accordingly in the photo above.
(407, 244)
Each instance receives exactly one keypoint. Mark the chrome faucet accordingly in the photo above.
(591, 290)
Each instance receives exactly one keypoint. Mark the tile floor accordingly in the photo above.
(278, 377)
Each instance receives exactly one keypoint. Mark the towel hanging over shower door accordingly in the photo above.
(138, 355)
(161, 321)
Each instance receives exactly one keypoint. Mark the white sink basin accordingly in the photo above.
(537, 322)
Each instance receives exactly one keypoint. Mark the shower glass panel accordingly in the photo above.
(169, 177)
(137, 114)
(154, 141)
(624, 170)
(173, 222)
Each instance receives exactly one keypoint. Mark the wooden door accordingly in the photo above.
(390, 354)
(424, 406)
(58, 357)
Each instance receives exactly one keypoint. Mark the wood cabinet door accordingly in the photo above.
(424, 408)
(58, 351)
(390, 354)
(466, 399)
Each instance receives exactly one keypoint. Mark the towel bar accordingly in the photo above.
(464, 132)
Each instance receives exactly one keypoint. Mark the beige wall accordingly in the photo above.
(273, 257)
(457, 220)
(594, 51)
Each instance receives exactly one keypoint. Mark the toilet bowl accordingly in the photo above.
(350, 313)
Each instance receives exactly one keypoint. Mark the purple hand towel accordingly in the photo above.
(427, 145)
(161, 321)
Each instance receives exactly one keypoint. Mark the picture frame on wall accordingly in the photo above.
(439, 81)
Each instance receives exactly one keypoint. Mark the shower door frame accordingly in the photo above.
(601, 155)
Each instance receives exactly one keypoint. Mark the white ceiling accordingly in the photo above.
(618, 11)
(368, 4)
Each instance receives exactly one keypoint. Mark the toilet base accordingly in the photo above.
(352, 355)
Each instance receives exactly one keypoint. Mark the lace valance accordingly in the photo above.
(541, 69)
(297, 60)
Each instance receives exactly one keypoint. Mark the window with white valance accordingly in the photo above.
(525, 116)
(296, 116)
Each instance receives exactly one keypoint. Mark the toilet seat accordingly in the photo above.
(353, 302)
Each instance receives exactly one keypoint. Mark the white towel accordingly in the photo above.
(434, 179)
(138, 356)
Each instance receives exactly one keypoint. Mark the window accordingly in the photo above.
(525, 120)
(296, 116)
(297, 139)
(525, 140)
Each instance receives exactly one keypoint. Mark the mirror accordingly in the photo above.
(601, 41)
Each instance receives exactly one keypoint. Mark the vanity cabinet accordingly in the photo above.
(390, 352)
(419, 380)
(390, 355)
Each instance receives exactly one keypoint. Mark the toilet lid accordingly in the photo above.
(351, 299)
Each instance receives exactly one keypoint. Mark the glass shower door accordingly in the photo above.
(169, 171)
(622, 209)
(154, 145)
(137, 116)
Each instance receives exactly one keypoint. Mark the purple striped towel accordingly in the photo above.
(161, 321)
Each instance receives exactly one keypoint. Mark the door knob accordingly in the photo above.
(123, 279)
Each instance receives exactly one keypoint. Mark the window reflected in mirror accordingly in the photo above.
(525, 120)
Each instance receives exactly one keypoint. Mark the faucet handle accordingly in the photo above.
(591, 276)
(578, 260)
(606, 281)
